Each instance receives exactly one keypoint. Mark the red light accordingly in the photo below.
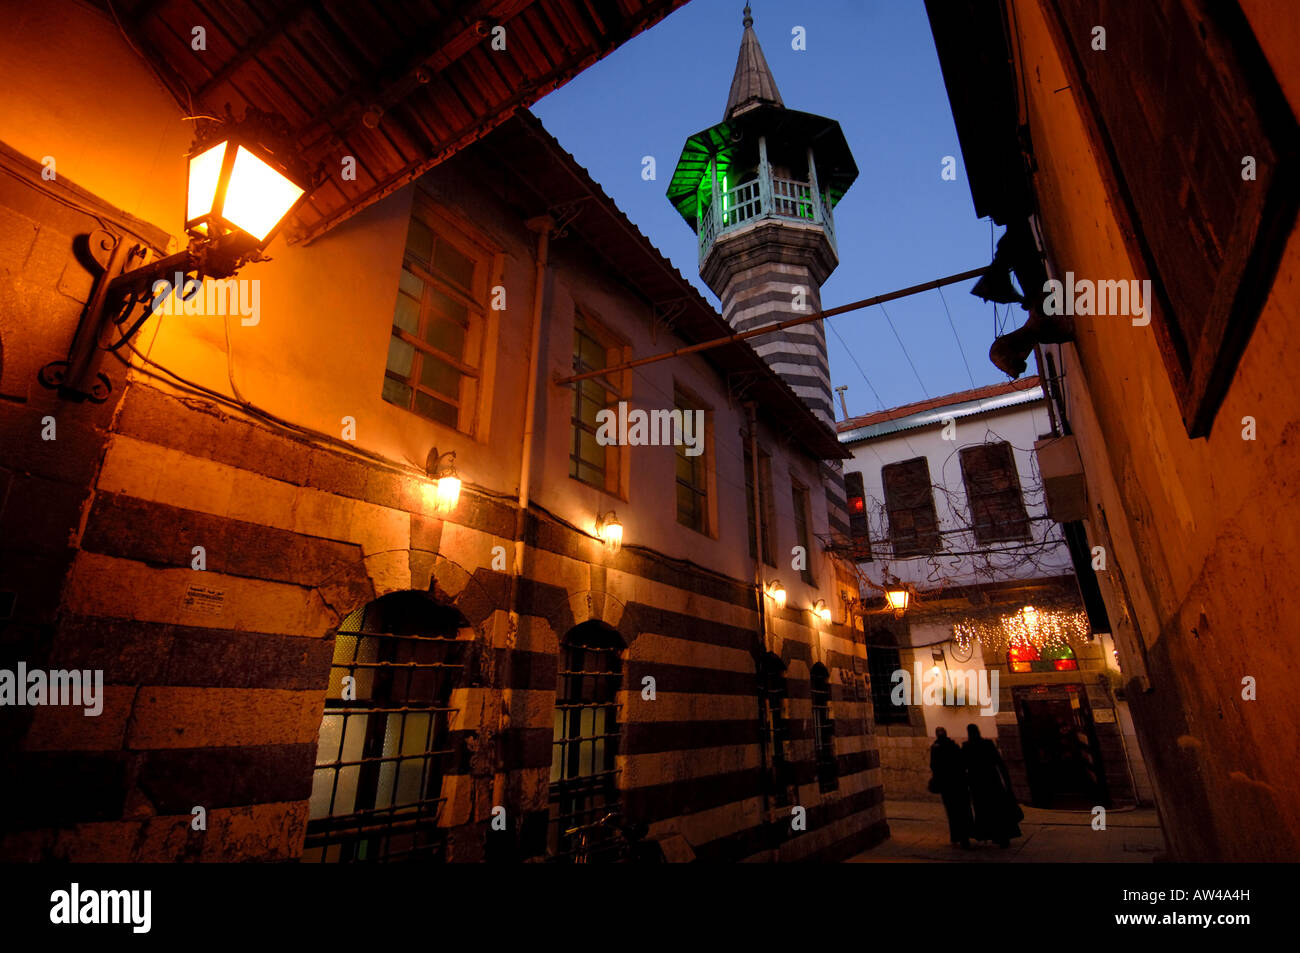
(1065, 664)
(857, 504)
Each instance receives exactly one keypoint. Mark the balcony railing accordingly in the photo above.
(772, 198)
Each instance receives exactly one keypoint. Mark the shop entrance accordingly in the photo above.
(1062, 761)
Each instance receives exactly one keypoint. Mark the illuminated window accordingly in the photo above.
(584, 779)
(384, 739)
(823, 730)
(435, 350)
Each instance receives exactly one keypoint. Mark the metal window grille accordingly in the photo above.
(824, 731)
(385, 735)
(882, 662)
(771, 697)
(584, 779)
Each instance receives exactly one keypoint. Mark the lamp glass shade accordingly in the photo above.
(257, 196)
(611, 531)
(205, 175)
(897, 599)
(447, 494)
(778, 594)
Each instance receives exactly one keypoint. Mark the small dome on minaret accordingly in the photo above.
(752, 85)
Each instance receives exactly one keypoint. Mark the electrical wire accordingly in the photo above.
(961, 350)
(904, 349)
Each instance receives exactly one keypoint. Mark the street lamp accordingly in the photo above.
(822, 611)
(897, 600)
(234, 186)
(242, 184)
(777, 592)
(446, 481)
(610, 531)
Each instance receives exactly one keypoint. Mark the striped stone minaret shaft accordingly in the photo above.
(762, 291)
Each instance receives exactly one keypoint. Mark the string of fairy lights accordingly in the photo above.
(1044, 628)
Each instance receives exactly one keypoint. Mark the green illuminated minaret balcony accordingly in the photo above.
(763, 162)
(760, 189)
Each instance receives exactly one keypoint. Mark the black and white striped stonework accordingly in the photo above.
(766, 293)
(837, 499)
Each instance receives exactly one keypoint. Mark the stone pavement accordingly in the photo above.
(919, 834)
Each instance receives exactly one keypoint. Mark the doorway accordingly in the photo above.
(1062, 760)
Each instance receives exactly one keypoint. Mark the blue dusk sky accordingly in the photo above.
(871, 65)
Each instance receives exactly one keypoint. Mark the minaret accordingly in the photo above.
(758, 189)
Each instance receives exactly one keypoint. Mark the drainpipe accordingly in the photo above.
(763, 710)
(542, 225)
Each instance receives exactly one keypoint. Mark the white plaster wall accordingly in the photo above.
(1020, 426)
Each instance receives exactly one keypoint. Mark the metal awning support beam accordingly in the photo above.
(777, 326)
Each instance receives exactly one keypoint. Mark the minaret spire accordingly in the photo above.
(752, 84)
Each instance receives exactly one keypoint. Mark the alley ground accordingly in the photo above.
(919, 833)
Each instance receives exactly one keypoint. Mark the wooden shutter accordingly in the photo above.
(993, 492)
(913, 525)
(1181, 94)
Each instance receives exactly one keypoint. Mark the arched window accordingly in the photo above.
(584, 780)
(823, 730)
(384, 738)
(771, 700)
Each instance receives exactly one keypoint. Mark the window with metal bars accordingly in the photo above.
(434, 353)
(828, 776)
(882, 663)
(775, 727)
(997, 509)
(384, 739)
(584, 776)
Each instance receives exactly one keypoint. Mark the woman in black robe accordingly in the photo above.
(997, 815)
(949, 782)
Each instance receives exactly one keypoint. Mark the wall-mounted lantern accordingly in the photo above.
(445, 489)
(610, 531)
(243, 181)
(235, 189)
(822, 611)
(777, 592)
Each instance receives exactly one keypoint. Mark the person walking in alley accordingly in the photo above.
(997, 815)
(948, 780)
